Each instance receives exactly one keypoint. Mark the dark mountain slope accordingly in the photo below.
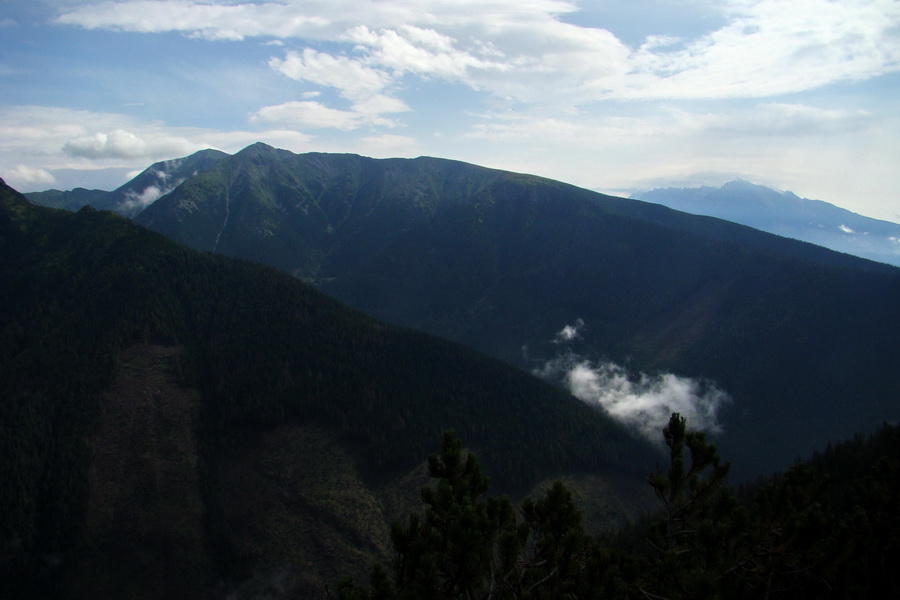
(135, 195)
(800, 336)
(71, 199)
(107, 328)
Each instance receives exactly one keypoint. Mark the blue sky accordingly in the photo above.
(612, 95)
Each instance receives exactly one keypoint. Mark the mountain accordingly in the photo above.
(803, 339)
(178, 424)
(785, 214)
(138, 193)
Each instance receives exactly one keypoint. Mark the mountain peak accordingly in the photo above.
(786, 214)
(257, 149)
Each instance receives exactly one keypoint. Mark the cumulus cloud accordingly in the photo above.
(410, 49)
(379, 104)
(215, 21)
(351, 77)
(23, 175)
(124, 144)
(764, 48)
(769, 48)
(641, 402)
(307, 115)
(359, 83)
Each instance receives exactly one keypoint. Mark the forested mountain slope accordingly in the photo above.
(802, 338)
(177, 424)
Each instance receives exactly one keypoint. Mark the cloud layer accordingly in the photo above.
(530, 52)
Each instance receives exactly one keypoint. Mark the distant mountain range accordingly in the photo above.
(784, 213)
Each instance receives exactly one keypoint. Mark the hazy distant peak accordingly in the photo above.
(786, 214)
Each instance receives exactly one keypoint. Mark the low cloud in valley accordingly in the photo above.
(641, 401)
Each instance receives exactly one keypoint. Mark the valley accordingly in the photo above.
(249, 392)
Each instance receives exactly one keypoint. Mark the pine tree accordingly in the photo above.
(698, 520)
(469, 546)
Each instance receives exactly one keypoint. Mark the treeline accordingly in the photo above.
(261, 347)
(801, 534)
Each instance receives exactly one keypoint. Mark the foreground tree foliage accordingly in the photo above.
(469, 546)
(797, 535)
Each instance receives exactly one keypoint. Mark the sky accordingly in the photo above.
(617, 96)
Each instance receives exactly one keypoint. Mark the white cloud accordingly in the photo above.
(771, 47)
(378, 105)
(645, 403)
(524, 49)
(569, 332)
(207, 20)
(642, 402)
(410, 49)
(137, 202)
(354, 79)
(124, 144)
(307, 115)
(25, 176)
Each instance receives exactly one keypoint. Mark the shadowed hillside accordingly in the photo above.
(175, 423)
(800, 337)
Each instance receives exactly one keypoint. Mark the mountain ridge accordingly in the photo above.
(502, 261)
(136, 194)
